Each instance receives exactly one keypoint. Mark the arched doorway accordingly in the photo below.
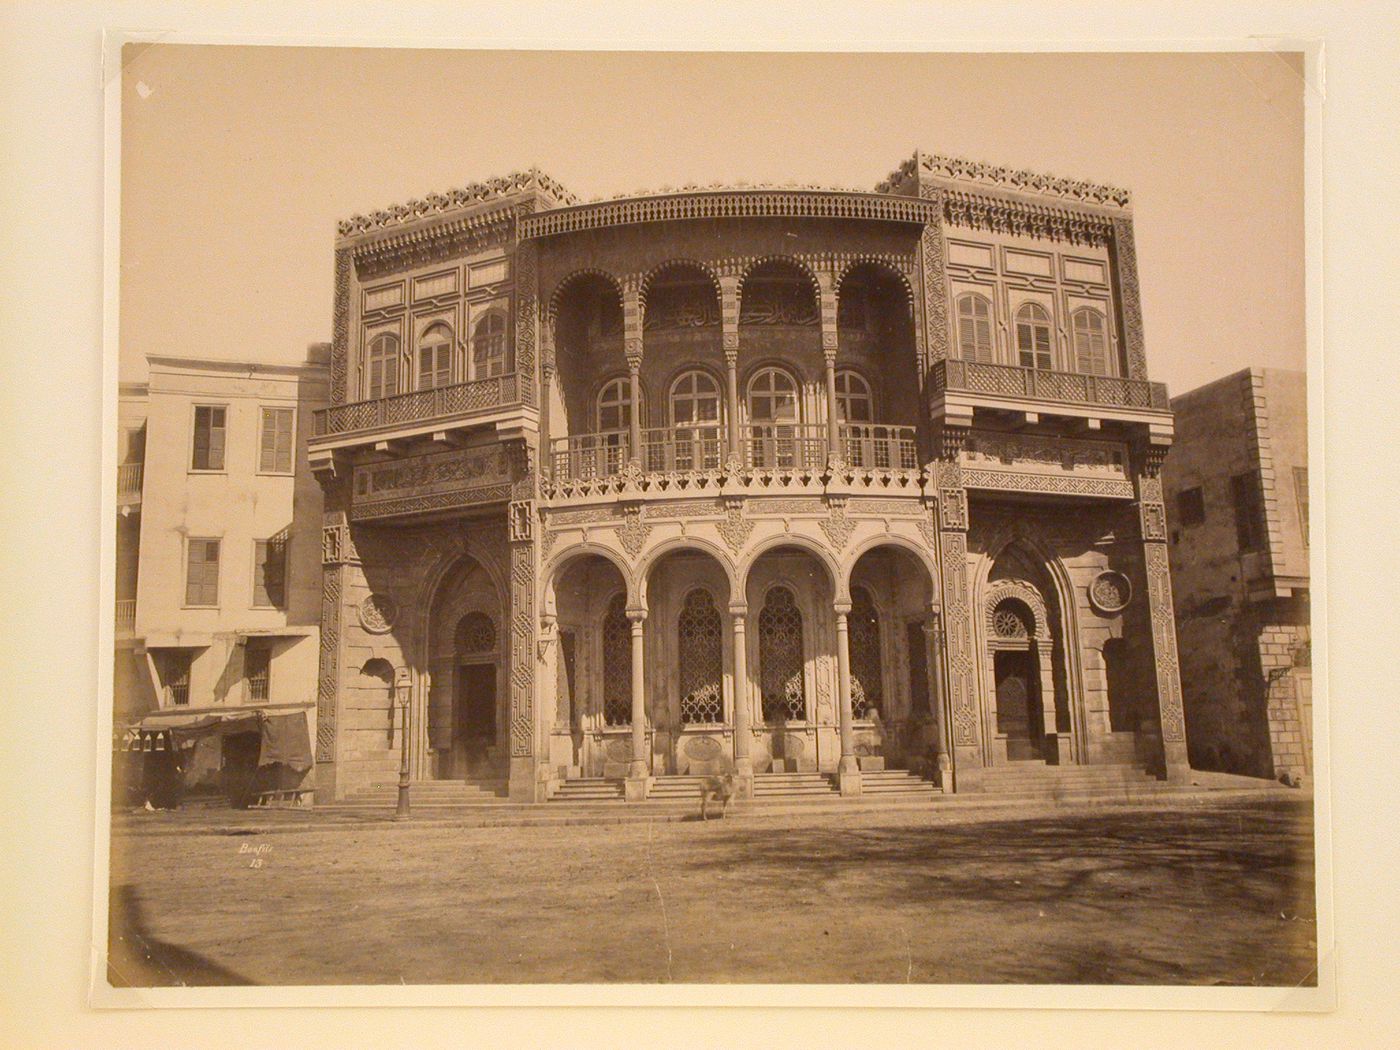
(466, 699)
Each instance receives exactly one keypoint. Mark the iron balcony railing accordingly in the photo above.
(126, 615)
(705, 447)
(129, 481)
(420, 405)
(1012, 381)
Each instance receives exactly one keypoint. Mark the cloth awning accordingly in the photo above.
(283, 737)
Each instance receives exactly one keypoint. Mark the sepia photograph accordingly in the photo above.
(875, 551)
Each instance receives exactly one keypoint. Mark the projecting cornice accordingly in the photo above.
(463, 199)
(904, 181)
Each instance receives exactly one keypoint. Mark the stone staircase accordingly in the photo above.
(1036, 781)
(897, 785)
(426, 794)
(588, 789)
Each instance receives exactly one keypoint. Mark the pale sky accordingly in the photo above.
(238, 161)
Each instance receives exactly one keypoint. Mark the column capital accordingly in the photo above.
(739, 609)
(636, 615)
(842, 610)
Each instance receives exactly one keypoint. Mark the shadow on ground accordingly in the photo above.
(138, 959)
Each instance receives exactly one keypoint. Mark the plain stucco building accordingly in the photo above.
(1237, 485)
(219, 600)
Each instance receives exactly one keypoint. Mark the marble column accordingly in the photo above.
(743, 730)
(848, 772)
(637, 768)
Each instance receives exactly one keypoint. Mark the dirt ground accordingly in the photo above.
(1206, 895)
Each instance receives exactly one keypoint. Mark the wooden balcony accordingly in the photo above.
(129, 477)
(585, 463)
(956, 388)
(481, 402)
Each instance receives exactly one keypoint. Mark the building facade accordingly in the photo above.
(218, 562)
(1237, 482)
(744, 480)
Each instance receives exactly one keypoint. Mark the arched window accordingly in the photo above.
(974, 314)
(476, 633)
(774, 412)
(1033, 336)
(780, 658)
(772, 397)
(699, 655)
(615, 405)
(617, 664)
(854, 402)
(1011, 620)
(867, 669)
(490, 356)
(695, 405)
(382, 367)
(1090, 341)
(435, 357)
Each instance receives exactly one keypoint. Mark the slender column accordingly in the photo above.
(638, 766)
(632, 349)
(729, 340)
(848, 773)
(743, 731)
(943, 738)
(827, 288)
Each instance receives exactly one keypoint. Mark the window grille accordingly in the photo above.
(867, 672)
(699, 650)
(476, 633)
(175, 672)
(975, 328)
(257, 669)
(780, 658)
(617, 664)
(1009, 620)
(1033, 336)
(209, 424)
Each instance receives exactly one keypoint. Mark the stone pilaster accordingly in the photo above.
(960, 696)
(632, 313)
(526, 313)
(933, 280)
(1125, 272)
(525, 752)
(1152, 521)
(337, 552)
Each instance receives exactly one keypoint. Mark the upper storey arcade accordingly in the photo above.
(744, 328)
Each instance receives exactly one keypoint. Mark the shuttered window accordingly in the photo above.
(974, 328)
(202, 572)
(275, 441)
(209, 429)
(270, 573)
(1033, 337)
(1090, 342)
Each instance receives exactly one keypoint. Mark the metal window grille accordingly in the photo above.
(867, 681)
(617, 664)
(780, 658)
(257, 669)
(699, 651)
(476, 633)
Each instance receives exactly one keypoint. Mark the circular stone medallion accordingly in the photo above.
(377, 613)
(1110, 592)
(703, 748)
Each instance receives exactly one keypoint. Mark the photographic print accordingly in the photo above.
(666, 518)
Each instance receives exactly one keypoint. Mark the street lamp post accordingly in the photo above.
(401, 684)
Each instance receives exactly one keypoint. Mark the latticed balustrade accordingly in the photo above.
(1012, 381)
(419, 406)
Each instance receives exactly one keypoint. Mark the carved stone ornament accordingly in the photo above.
(377, 613)
(735, 528)
(837, 526)
(633, 532)
(1110, 592)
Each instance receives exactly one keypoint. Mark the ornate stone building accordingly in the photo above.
(753, 479)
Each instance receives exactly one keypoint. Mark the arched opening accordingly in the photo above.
(777, 437)
(688, 657)
(1033, 337)
(376, 689)
(696, 424)
(791, 661)
(1089, 329)
(381, 373)
(890, 634)
(1025, 674)
(435, 347)
(974, 320)
(875, 332)
(587, 316)
(467, 698)
(592, 669)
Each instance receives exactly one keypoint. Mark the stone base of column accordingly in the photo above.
(324, 783)
(743, 783)
(944, 775)
(848, 776)
(524, 785)
(634, 788)
(1178, 766)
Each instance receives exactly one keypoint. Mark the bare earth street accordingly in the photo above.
(1172, 894)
